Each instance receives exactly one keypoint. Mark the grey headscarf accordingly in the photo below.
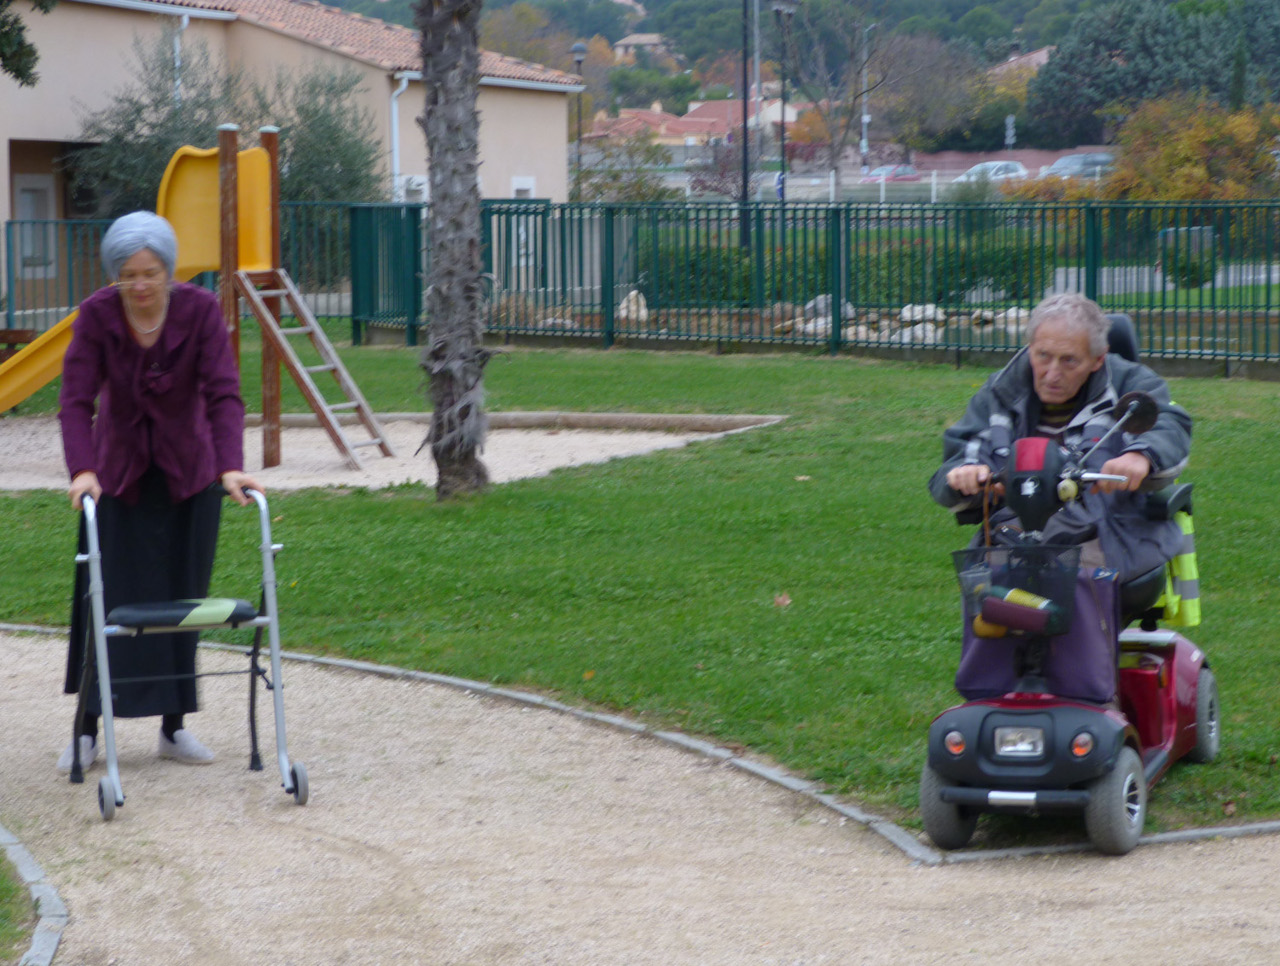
(133, 232)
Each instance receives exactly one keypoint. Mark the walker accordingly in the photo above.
(136, 620)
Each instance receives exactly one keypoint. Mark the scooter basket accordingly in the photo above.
(1028, 590)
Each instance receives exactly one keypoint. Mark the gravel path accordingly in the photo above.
(448, 828)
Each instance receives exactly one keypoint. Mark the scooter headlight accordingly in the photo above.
(1019, 742)
(954, 742)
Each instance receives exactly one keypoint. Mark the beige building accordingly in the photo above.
(86, 52)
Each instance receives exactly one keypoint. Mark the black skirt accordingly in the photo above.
(152, 550)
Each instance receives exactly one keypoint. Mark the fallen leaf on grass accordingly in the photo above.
(803, 479)
(782, 600)
(588, 675)
(1228, 808)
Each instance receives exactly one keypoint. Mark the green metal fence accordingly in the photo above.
(1201, 280)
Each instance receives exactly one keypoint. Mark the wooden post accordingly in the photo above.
(269, 138)
(228, 205)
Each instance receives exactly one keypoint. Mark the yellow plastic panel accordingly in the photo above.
(188, 198)
(35, 365)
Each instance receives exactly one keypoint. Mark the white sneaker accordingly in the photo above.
(185, 747)
(88, 754)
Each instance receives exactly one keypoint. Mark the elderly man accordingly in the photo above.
(1065, 386)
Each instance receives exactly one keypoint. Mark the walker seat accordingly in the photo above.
(188, 615)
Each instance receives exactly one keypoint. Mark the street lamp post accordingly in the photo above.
(783, 10)
(745, 226)
(579, 51)
(864, 146)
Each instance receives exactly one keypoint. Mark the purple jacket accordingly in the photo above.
(176, 404)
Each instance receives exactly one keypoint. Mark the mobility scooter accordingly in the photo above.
(1067, 710)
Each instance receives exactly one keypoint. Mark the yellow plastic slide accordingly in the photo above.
(188, 197)
(37, 365)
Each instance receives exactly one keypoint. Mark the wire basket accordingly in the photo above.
(1028, 590)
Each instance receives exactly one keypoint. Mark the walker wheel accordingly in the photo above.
(301, 791)
(106, 799)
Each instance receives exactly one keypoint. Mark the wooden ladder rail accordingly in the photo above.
(277, 283)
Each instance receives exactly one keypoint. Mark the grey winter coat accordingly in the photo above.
(1006, 408)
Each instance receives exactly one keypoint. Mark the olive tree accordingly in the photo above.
(328, 151)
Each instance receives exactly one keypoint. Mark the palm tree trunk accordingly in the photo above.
(454, 356)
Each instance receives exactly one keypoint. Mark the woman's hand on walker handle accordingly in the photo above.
(86, 481)
(235, 482)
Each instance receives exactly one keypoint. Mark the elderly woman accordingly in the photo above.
(165, 443)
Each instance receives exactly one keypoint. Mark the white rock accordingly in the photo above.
(633, 308)
(921, 313)
(922, 333)
(820, 306)
(820, 326)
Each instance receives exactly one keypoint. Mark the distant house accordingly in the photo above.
(704, 123)
(727, 115)
(86, 57)
(667, 129)
(631, 44)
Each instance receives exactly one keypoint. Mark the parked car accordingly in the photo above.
(891, 172)
(994, 171)
(1085, 165)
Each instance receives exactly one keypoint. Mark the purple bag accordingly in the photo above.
(1080, 664)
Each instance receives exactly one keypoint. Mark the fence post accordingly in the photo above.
(836, 270)
(757, 254)
(606, 276)
(1092, 249)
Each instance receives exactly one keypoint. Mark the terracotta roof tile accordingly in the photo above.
(389, 46)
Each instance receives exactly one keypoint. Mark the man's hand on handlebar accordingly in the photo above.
(970, 478)
(1134, 467)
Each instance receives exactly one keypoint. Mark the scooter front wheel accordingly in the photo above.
(950, 826)
(1117, 807)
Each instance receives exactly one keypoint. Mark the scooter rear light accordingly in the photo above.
(954, 742)
(1082, 744)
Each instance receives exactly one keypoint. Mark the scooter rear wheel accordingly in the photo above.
(1208, 720)
(950, 826)
(1117, 807)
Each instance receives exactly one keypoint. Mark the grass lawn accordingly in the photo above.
(17, 917)
(658, 585)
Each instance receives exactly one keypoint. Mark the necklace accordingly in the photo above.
(128, 313)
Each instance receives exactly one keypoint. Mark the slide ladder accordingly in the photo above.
(256, 287)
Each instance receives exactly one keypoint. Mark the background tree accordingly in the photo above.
(525, 30)
(1187, 147)
(17, 55)
(832, 51)
(1119, 55)
(721, 173)
(632, 87)
(628, 171)
(933, 89)
(327, 148)
(454, 356)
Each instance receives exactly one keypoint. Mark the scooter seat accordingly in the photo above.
(192, 614)
(1139, 595)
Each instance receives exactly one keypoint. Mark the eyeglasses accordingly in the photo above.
(148, 279)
